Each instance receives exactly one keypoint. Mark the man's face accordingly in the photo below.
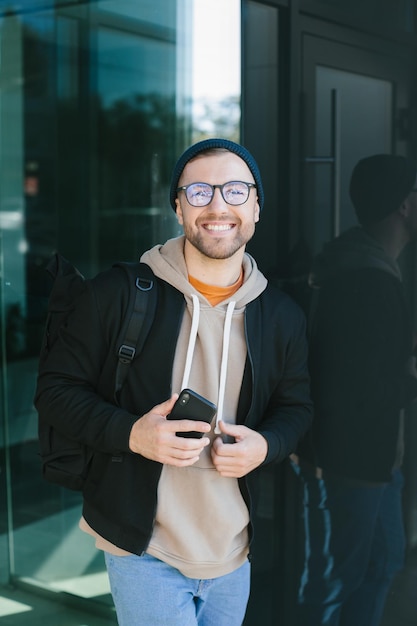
(217, 230)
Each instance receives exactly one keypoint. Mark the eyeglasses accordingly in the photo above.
(234, 192)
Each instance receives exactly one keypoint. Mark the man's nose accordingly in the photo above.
(217, 200)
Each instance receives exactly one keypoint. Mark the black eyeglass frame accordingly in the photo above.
(213, 188)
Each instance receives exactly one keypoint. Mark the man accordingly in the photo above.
(361, 344)
(173, 514)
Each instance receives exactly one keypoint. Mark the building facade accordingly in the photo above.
(97, 99)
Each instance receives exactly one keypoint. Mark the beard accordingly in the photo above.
(219, 247)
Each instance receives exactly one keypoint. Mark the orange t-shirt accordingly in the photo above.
(213, 293)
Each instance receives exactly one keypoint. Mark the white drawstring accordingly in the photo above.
(223, 368)
(191, 341)
(225, 353)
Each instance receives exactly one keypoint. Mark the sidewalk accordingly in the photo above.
(20, 608)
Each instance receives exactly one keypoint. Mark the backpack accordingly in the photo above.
(64, 461)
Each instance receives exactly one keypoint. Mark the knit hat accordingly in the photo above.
(379, 185)
(209, 144)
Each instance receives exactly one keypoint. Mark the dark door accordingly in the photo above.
(356, 101)
(353, 97)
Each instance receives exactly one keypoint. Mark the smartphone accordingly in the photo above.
(190, 405)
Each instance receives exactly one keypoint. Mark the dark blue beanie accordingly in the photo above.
(209, 144)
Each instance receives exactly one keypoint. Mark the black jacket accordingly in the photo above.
(75, 391)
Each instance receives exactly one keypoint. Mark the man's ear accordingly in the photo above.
(257, 212)
(178, 211)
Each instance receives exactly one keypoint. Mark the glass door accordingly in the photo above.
(88, 128)
(97, 99)
(351, 99)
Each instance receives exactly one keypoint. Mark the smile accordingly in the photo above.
(218, 227)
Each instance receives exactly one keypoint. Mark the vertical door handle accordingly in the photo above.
(335, 143)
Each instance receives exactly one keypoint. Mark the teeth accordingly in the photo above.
(218, 226)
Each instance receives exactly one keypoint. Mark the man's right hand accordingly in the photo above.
(153, 436)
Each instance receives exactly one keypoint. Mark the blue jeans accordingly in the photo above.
(354, 546)
(148, 592)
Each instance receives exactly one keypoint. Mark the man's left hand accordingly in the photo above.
(234, 460)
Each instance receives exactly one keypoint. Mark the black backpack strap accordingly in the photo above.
(134, 334)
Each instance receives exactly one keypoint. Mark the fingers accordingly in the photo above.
(238, 459)
(153, 437)
(234, 430)
(165, 407)
(186, 426)
(184, 456)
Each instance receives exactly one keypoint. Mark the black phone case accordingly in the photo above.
(190, 405)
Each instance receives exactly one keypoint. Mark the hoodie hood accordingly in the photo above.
(352, 250)
(168, 263)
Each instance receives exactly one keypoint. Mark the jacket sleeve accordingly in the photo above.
(74, 392)
(281, 407)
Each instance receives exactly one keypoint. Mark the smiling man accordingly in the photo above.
(174, 514)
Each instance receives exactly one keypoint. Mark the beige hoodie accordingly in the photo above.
(201, 519)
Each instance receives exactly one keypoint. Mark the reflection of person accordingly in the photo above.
(361, 342)
(174, 514)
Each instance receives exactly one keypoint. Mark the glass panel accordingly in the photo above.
(365, 110)
(215, 84)
(46, 548)
(96, 101)
(14, 303)
(145, 87)
(137, 126)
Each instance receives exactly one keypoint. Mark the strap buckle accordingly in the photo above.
(126, 353)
